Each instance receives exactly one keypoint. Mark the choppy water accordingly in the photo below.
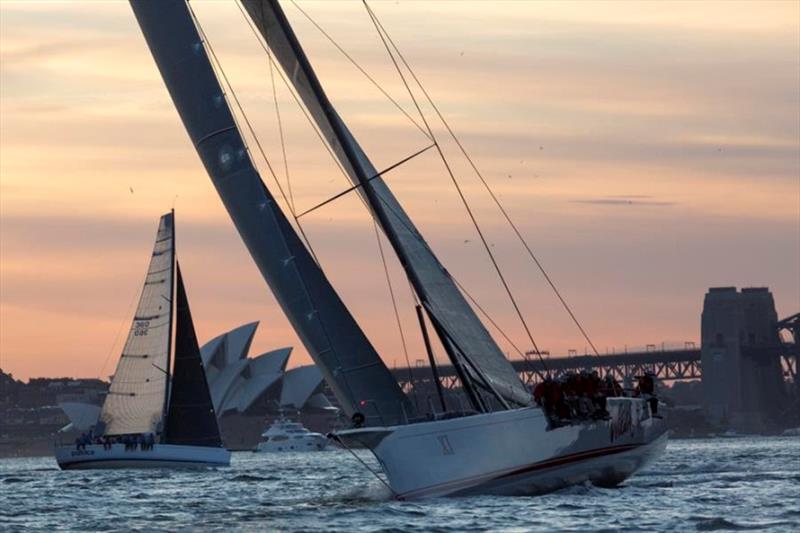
(703, 485)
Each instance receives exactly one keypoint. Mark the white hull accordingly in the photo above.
(512, 452)
(161, 456)
(313, 443)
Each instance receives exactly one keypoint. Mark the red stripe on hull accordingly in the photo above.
(542, 465)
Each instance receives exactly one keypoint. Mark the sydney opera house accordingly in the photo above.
(248, 392)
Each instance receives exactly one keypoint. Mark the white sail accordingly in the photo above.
(136, 397)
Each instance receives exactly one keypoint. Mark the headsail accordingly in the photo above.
(461, 328)
(351, 366)
(135, 401)
(190, 417)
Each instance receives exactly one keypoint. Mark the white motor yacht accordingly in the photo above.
(285, 435)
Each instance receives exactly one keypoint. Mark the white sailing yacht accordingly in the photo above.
(503, 443)
(147, 399)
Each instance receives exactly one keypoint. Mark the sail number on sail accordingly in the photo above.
(140, 328)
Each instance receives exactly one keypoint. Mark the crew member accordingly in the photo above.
(539, 392)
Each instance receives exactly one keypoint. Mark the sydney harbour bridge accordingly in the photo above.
(667, 364)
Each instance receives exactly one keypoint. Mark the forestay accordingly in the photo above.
(136, 397)
(462, 330)
(349, 363)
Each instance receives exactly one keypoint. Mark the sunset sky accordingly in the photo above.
(646, 150)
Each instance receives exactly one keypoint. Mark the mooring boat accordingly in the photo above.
(501, 443)
(154, 415)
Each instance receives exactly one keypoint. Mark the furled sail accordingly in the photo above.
(349, 363)
(190, 417)
(462, 329)
(135, 401)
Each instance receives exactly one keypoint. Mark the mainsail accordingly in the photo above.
(350, 365)
(190, 417)
(463, 333)
(136, 397)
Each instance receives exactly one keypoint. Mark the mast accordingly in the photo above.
(346, 358)
(167, 368)
(431, 358)
(463, 335)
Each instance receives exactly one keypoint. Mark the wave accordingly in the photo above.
(252, 477)
(716, 524)
(651, 484)
(374, 492)
(719, 523)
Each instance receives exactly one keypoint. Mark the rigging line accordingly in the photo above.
(360, 69)
(339, 165)
(297, 100)
(207, 43)
(412, 231)
(292, 92)
(307, 243)
(354, 187)
(493, 196)
(302, 108)
(381, 31)
(489, 318)
(305, 112)
(394, 306)
(280, 131)
(417, 236)
(335, 159)
(119, 329)
(310, 120)
(300, 105)
(338, 439)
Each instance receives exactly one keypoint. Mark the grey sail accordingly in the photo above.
(455, 319)
(138, 390)
(349, 363)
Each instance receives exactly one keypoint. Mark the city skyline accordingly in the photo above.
(647, 152)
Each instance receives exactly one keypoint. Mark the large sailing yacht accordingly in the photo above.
(502, 443)
(154, 415)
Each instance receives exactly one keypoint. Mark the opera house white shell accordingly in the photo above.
(236, 381)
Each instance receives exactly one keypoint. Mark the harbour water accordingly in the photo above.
(702, 485)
